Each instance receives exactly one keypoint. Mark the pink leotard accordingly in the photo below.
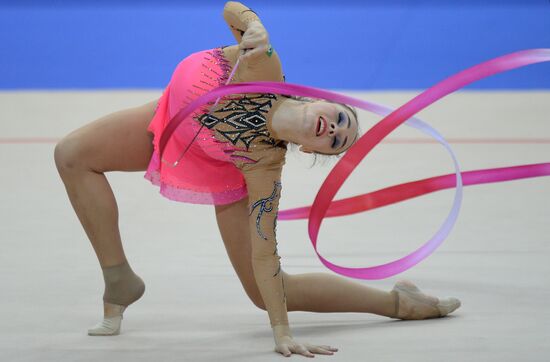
(235, 154)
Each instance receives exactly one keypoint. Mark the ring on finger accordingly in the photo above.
(269, 50)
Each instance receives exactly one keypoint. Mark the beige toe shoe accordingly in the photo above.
(411, 303)
(109, 326)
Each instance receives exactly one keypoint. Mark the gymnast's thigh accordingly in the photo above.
(233, 224)
(118, 141)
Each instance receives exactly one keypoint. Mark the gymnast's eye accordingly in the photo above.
(340, 118)
(335, 142)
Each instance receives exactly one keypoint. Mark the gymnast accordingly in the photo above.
(234, 162)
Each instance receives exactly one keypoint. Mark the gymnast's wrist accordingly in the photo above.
(281, 330)
(255, 22)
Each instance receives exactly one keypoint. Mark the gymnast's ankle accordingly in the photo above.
(122, 287)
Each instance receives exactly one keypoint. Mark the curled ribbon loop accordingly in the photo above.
(323, 204)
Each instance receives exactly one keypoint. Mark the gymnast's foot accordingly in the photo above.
(112, 319)
(122, 288)
(411, 303)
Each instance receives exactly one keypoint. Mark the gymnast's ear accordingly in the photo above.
(305, 149)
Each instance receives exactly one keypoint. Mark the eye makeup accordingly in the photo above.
(335, 139)
(341, 118)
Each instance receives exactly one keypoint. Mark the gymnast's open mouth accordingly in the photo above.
(321, 126)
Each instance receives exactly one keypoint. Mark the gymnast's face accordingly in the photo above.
(327, 128)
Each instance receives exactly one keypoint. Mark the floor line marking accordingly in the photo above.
(36, 140)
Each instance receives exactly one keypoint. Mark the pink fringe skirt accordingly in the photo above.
(206, 174)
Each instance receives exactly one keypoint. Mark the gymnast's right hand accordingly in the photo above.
(286, 345)
(255, 41)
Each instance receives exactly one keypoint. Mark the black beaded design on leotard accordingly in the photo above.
(246, 119)
(265, 205)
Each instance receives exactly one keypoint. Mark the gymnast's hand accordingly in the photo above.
(254, 42)
(286, 346)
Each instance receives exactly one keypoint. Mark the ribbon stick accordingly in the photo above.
(323, 204)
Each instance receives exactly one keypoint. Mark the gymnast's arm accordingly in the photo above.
(249, 32)
(238, 17)
(264, 191)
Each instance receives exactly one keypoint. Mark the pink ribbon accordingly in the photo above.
(323, 204)
(409, 190)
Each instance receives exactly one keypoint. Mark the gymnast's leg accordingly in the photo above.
(315, 292)
(116, 142)
(325, 292)
(321, 292)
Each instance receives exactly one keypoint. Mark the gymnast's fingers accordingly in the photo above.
(320, 349)
(329, 348)
(256, 52)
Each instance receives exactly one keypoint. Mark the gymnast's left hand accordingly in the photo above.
(286, 345)
(254, 41)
